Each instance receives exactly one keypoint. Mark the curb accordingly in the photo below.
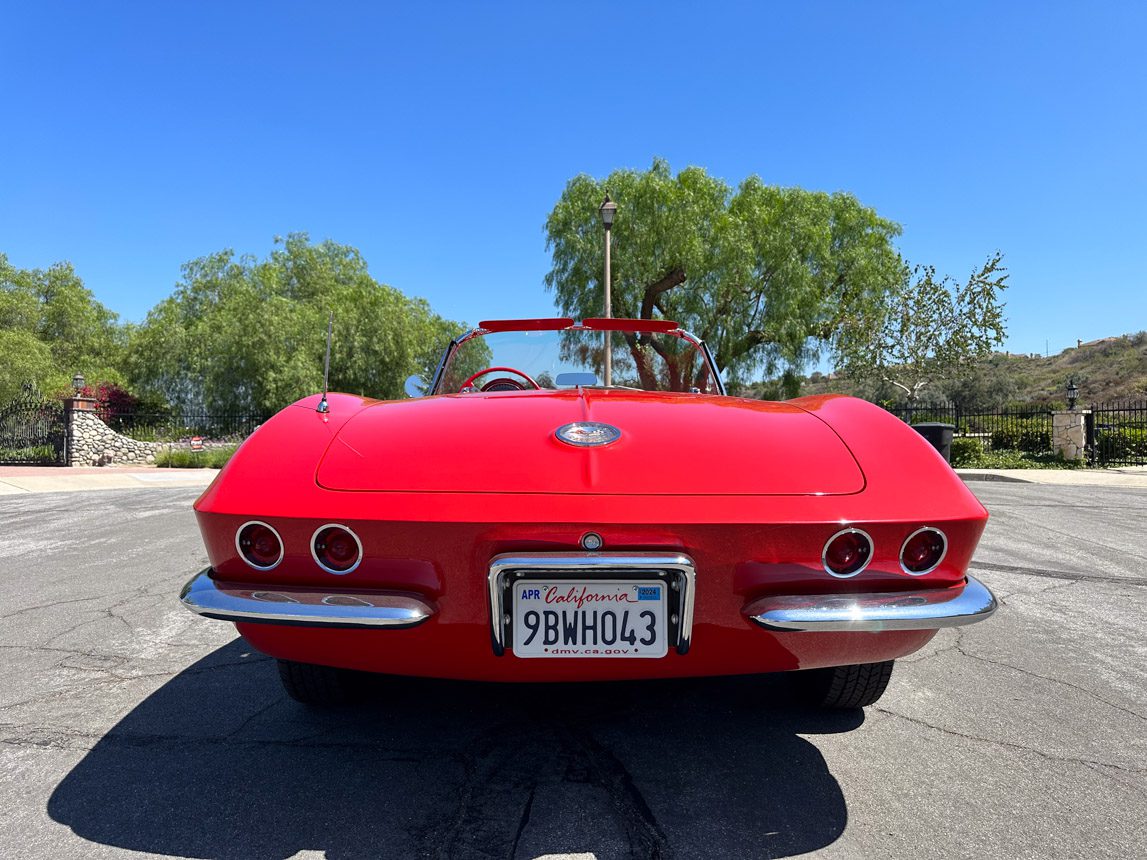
(992, 476)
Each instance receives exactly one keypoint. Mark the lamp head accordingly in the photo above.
(607, 210)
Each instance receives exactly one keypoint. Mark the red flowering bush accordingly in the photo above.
(112, 401)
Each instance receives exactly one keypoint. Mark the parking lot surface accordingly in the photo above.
(128, 725)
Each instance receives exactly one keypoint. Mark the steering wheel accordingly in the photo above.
(494, 382)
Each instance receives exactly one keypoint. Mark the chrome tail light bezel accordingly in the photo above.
(859, 570)
(239, 547)
(315, 553)
(939, 561)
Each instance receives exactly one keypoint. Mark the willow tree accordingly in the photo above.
(245, 334)
(767, 276)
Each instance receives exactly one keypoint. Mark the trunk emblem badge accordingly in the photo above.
(588, 434)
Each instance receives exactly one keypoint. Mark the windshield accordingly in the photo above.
(572, 357)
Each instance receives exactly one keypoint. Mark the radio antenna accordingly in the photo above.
(323, 406)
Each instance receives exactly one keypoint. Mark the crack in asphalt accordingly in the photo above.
(1118, 776)
(56, 603)
(523, 822)
(1006, 744)
(111, 612)
(1034, 523)
(107, 675)
(552, 752)
(23, 735)
(645, 837)
(1057, 574)
(1004, 665)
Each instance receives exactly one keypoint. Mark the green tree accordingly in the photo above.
(927, 329)
(765, 275)
(245, 334)
(992, 383)
(51, 326)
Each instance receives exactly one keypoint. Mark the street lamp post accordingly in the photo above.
(1072, 394)
(608, 210)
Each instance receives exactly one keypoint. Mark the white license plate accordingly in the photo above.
(590, 618)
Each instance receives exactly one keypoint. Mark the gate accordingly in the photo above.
(32, 431)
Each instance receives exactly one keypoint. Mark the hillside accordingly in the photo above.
(1113, 368)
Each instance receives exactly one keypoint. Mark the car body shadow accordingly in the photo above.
(219, 763)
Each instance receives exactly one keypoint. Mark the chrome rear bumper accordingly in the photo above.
(307, 607)
(903, 610)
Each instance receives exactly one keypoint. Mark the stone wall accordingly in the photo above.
(92, 443)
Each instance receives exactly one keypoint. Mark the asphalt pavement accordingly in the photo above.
(129, 727)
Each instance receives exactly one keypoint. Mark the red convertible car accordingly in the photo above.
(583, 501)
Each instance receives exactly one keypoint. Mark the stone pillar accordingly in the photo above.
(1069, 433)
(72, 407)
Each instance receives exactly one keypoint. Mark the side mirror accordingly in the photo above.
(414, 386)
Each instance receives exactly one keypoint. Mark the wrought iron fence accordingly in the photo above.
(1025, 429)
(1117, 434)
(32, 431)
(180, 426)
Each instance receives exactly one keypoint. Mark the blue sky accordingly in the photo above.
(436, 138)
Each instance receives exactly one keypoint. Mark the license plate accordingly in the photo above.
(590, 618)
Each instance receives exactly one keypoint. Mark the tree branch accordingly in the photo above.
(652, 291)
(745, 343)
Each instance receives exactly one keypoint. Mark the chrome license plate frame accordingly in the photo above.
(675, 570)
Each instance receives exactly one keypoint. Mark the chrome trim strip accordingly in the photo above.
(450, 347)
(234, 601)
(943, 554)
(707, 353)
(278, 537)
(859, 570)
(595, 562)
(927, 609)
(315, 555)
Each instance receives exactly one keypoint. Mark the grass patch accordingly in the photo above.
(32, 454)
(970, 454)
(183, 458)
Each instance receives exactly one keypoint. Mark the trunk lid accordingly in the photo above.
(679, 444)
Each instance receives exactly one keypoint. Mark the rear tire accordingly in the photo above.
(320, 685)
(845, 686)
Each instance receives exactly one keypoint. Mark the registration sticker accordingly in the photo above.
(590, 618)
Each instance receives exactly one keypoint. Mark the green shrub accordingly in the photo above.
(967, 451)
(30, 454)
(1012, 459)
(1023, 434)
(1121, 443)
(184, 458)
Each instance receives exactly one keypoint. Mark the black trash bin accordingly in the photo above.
(940, 435)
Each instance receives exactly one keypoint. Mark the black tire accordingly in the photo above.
(845, 686)
(320, 685)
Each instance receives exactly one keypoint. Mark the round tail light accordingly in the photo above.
(923, 551)
(259, 545)
(847, 553)
(336, 549)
